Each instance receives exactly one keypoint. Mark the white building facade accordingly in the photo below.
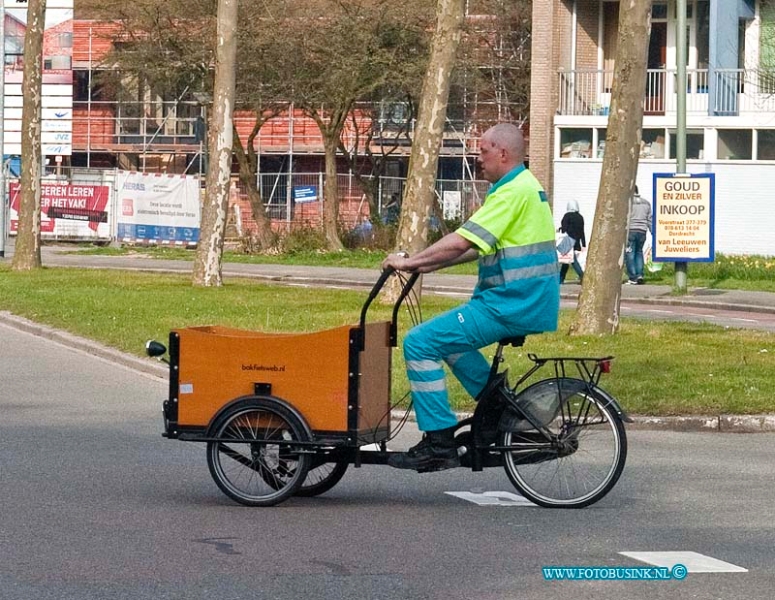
(730, 107)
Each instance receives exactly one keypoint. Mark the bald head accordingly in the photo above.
(501, 149)
(508, 137)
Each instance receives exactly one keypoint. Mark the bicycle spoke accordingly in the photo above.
(269, 470)
(587, 455)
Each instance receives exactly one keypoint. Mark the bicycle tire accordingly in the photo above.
(258, 474)
(322, 478)
(591, 451)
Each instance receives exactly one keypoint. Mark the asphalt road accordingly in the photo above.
(724, 318)
(96, 505)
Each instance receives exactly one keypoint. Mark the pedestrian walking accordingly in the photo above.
(572, 225)
(638, 224)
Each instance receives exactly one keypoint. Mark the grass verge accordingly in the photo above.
(661, 368)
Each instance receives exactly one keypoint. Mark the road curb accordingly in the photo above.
(686, 301)
(439, 287)
(699, 423)
(701, 304)
(693, 423)
(145, 365)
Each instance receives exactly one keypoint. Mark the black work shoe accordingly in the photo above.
(436, 451)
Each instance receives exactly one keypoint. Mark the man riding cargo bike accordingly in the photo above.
(518, 293)
(286, 414)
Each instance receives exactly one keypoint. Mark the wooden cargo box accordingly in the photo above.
(337, 389)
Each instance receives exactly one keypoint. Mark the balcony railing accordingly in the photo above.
(723, 92)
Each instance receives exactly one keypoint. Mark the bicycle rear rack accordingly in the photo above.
(589, 369)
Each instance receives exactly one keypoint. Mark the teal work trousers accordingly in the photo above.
(454, 337)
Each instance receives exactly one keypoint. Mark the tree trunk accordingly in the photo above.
(247, 176)
(598, 310)
(209, 252)
(419, 195)
(331, 192)
(27, 253)
(370, 187)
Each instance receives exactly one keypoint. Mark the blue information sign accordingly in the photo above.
(305, 193)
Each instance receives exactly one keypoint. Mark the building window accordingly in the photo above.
(56, 63)
(703, 34)
(767, 47)
(735, 144)
(659, 10)
(765, 147)
(65, 39)
(610, 34)
(652, 144)
(14, 49)
(81, 85)
(576, 143)
(695, 145)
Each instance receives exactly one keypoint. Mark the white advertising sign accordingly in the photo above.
(451, 205)
(684, 215)
(157, 208)
(49, 5)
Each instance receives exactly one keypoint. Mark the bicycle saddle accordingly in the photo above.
(516, 341)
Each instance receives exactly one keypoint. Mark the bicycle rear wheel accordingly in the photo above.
(587, 452)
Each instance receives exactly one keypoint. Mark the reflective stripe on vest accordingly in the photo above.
(517, 262)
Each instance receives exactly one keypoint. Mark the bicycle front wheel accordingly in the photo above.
(256, 463)
(587, 453)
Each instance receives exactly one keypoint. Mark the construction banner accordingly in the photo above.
(157, 208)
(68, 211)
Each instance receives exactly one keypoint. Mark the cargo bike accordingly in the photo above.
(286, 414)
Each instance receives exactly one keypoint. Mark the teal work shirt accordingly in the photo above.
(514, 232)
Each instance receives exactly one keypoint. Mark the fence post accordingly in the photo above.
(321, 182)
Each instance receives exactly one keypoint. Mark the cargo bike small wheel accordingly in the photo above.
(255, 461)
(322, 477)
(324, 473)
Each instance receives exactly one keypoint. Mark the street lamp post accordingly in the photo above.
(680, 137)
(3, 208)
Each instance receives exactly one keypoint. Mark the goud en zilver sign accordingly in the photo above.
(683, 217)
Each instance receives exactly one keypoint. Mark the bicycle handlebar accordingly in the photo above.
(384, 276)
